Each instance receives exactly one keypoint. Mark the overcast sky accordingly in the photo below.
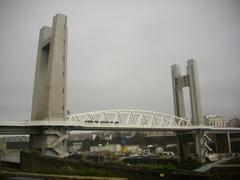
(120, 53)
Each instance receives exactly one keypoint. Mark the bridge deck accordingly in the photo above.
(125, 120)
(35, 127)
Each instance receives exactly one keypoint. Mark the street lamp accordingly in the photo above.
(99, 145)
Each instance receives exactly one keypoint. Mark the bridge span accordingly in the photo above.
(122, 120)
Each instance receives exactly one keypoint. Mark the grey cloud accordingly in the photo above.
(120, 52)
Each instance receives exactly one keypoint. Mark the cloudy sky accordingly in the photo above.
(120, 53)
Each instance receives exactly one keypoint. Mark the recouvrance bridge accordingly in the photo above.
(49, 124)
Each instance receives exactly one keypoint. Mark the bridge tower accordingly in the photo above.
(179, 82)
(49, 94)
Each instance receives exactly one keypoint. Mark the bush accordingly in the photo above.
(68, 170)
(157, 167)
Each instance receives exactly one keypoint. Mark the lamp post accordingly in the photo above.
(99, 145)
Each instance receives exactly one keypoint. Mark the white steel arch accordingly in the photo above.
(127, 119)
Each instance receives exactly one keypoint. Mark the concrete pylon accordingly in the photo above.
(179, 82)
(49, 94)
(179, 106)
(195, 96)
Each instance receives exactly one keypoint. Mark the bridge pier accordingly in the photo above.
(49, 94)
(183, 145)
(51, 142)
(190, 80)
(200, 147)
(229, 143)
(223, 143)
(185, 148)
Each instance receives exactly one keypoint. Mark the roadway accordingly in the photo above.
(35, 127)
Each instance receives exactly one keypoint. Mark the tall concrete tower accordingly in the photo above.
(49, 94)
(179, 82)
(190, 80)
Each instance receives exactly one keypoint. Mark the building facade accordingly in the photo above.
(214, 120)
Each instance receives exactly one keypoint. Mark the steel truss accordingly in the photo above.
(127, 119)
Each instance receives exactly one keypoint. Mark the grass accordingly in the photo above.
(68, 170)
(158, 167)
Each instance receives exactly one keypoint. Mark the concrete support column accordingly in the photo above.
(51, 142)
(179, 106)
(196, 108)
(183, 141)
(200, 147)
(223, 143)
(57, 69)
(229, 143)
(37, 142)
(40, 91)
(190, 80)
(49, 94)
(195, 98)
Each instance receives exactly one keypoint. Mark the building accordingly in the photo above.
(115, 148)
(216, 121)
(159, 133)
(235, 122)
(14, 142)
